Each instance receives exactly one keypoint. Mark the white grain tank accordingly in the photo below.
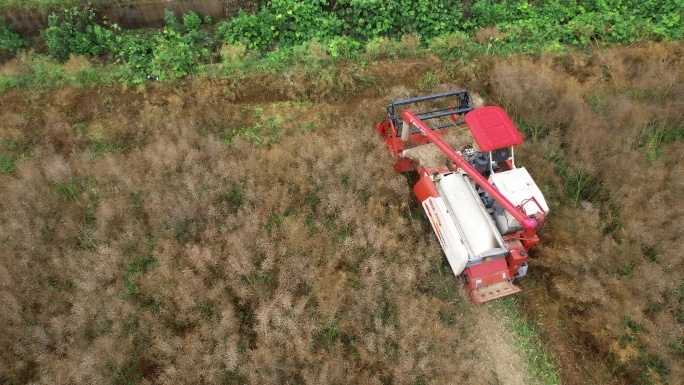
(475, 226)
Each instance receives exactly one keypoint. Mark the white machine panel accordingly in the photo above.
(517, 185)
(482, 239)
(448, 235)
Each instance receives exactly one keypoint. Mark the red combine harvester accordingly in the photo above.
(484, 210)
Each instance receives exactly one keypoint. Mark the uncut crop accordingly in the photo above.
(175, 239)
(252, 230)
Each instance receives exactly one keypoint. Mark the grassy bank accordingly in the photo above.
(538, 356)
(345, 29)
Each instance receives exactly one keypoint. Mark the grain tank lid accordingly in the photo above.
(492, 128)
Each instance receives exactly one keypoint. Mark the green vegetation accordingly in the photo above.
(175, 51)
(521, 25)
(537, 355)
(139, 265)
(10, 40)
(652, 138)
(578, 184)
(7, 156)
(76, 32)
(341, 29)
(6, 163)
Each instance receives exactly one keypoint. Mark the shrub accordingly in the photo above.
(176, 51)
(282, 23)
(10, 40)
(76, 31)
(180, 48)
(365, 20)
(134, 49)
(538, 24)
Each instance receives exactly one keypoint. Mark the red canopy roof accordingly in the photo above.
(492, 128)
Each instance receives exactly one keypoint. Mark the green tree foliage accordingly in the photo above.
(10, 40)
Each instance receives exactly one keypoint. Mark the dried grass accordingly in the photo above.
(182, 259)
(606, 260)
(430, 156)
(185, 260)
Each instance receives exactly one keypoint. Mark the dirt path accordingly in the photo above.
(506, 359)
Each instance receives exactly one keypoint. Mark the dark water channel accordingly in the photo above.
(147, 14)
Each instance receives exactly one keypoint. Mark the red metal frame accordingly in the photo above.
(492, 129)
(489, 280)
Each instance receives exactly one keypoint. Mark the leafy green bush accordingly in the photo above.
(578, 23)
(134, 49)
(10, 40)
(180, 48)
(525, 26)
(343, 24)
(282, 23)
(344, 28)
(76, 31)
(366, 19)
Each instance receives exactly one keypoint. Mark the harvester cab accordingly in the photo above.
(484, 210)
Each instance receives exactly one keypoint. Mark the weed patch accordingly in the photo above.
(7, 162)
(69, 190)
(138, 266)
(578, 184)
(652, 139)
(428, 81)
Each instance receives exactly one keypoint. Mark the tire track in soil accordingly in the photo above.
(506, 360)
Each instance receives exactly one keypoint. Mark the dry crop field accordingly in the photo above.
(208, 231)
